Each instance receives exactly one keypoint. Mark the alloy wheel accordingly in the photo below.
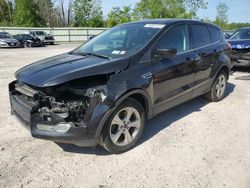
(125, 126)
(220, 86)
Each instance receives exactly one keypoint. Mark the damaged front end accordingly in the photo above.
(67, 113)
(241, 57)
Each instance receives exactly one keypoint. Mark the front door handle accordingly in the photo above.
(147, 75)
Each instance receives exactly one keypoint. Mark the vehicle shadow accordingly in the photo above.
(167, 118)
(154, 125)
(97, 150)
(241, 69)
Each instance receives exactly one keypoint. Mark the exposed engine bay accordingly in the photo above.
(73, 101)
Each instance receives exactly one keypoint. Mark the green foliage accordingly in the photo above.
(222, 19)
(6, 11)
(96, 14)
(150, 9)
(88, 13)
(118, 16)
(26, 14)
(222, 15)
(234, 26)
(45, 10)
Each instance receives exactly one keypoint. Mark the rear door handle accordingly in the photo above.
(202, 54)
(189, 60)
(218, 51)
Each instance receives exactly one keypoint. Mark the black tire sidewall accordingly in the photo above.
(107, 142)
(214, 95)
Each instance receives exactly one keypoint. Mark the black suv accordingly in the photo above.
(104, 91)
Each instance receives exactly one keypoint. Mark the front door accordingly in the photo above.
(173, 78)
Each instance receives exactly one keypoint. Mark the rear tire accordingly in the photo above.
(218, 91)
(124, 127)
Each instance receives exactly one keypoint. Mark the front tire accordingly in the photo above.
(124, 127)
(218, 91)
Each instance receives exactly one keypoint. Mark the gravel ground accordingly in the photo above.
(196, 144)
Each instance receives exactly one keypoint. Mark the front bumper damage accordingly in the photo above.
(71, 123)
(241, 57)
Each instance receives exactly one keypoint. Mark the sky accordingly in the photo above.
(238, 9)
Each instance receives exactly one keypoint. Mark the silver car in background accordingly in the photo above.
(7, 41)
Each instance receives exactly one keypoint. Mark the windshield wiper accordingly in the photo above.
(94, 54)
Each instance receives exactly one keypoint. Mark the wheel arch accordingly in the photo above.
(138, 94)
(224, 67)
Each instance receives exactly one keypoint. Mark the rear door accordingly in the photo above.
(204, 49)
(173, 78)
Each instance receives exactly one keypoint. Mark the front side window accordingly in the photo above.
(200, 35)
(27, 37)
(4, 36)
(40, 33)
(176, 38)
(120, 41)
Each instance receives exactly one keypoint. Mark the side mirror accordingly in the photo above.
(91, 37)
(164, 53)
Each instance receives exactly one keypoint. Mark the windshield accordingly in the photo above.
(121, 40)
(28, 37)
(4, 37)
(241, 34)
(40, 33)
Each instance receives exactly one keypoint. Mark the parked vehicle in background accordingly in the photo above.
(240, 42)
(227, 35)
(104, 91)
(44, 37)
(28, 40)
(7, 41)
(5, 33)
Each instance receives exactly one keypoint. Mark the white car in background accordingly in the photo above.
(43, 36)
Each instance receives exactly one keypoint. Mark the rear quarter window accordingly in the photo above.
(215, 34)
(200, 36)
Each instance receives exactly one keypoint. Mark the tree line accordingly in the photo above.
(88, 13)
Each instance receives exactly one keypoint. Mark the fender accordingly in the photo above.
(119, 101)
(223, 62)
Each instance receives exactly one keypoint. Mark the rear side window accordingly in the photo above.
(200, 35)
(215, 34)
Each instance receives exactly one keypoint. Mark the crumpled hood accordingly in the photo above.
(8, 40)
(66, 67)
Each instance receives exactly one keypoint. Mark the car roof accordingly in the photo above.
(171, 21)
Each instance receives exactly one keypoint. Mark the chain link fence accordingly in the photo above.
(60, 34)
(69, 34)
